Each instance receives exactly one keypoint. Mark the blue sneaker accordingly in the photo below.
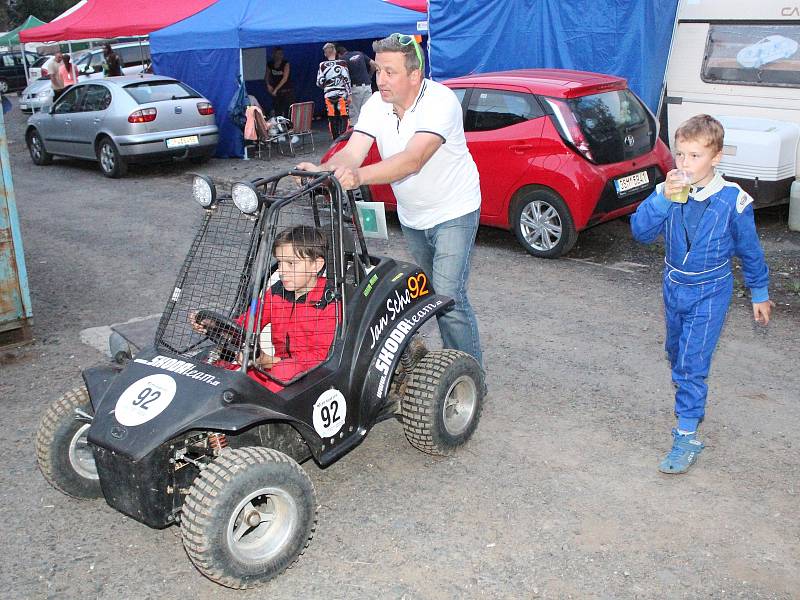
(684, 453)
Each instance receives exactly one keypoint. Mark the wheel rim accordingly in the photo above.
(261, 524)
(3, 86)
(107, 158)
(541, 225)
(81, 456)
(459, 405)
(36, 147)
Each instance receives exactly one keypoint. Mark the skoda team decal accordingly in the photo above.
(180, 367)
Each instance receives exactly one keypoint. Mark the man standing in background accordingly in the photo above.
(361, 68)
(52, 66)
(334, 78)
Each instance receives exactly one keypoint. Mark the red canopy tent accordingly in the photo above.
(115, 18)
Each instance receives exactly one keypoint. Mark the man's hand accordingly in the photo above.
(762, 311)
(307, 166)
(348, 177)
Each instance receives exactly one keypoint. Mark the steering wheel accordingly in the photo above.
(221, 330)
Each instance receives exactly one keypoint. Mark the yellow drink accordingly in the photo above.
(682, 196)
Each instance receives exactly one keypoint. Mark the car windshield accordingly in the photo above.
(159, 91)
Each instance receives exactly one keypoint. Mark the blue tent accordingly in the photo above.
(204, 50)
(629, 38)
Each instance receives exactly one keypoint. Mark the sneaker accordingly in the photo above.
(684, 453)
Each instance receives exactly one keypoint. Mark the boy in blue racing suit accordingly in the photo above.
(701, 236)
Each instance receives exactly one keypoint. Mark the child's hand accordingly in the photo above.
(267, 361)
(762, 311)
(674, 183)
(198, 327)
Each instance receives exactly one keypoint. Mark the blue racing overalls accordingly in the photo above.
(700, 237)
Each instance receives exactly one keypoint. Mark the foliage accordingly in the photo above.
(45, 10)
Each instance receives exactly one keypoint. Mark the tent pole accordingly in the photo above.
(241, 75)
(24, 62)
(141, 51)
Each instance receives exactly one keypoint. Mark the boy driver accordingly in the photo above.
(701, 236)
(302, 323)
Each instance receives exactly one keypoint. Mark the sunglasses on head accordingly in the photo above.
(405, 40)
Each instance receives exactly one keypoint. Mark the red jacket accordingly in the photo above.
(302, 331)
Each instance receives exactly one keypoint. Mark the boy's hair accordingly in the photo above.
(306, 241)
(703, 128)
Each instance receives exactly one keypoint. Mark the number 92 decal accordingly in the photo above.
(418, 285)
(145, 399)
(330, 411)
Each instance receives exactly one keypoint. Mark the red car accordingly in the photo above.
(558, 151)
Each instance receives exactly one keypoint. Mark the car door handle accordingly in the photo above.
(67, 121)
(96, 120)
(521, 148)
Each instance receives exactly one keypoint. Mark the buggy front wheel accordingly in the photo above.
(443, 401)
(64, 456)
(249, 515)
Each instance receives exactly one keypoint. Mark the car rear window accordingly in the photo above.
(159, 91)
(616, 125)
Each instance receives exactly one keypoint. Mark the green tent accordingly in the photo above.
(11, 38)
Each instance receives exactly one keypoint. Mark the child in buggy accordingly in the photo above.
(298, 320)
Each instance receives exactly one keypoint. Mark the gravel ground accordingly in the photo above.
(556, 496)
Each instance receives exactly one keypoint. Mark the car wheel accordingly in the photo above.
(443, 401)
(39, 155)
(65, 458)
(543, 223)
(3, 86)
(248, 516)
(111, 163)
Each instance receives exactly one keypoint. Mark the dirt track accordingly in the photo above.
(557, 496)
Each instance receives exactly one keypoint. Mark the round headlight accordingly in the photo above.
(203, 190)
(245, 197)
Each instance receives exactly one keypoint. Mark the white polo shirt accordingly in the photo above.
(447, 186)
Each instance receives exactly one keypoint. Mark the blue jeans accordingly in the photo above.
(443, 251)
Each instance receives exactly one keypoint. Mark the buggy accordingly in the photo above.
(181, 433)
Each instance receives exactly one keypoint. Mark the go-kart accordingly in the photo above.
(181, 434)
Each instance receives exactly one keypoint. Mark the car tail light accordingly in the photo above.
(568, 127)
(205, 108)
(145, 115)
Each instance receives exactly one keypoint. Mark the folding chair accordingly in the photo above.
(266, 136)
(301, 115)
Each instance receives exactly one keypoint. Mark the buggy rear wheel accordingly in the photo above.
(249, 515)
(65, 458)
(443, 401)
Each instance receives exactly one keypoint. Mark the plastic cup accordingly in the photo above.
(681, 196)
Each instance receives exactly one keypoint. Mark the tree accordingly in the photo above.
(45, 10)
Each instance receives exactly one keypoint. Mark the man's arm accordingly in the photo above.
(410, 161)
(349, 157)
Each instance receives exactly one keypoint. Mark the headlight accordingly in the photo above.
(44, 94)
(245, 197)
(203, 191)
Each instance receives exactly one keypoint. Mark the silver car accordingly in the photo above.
(119, 120)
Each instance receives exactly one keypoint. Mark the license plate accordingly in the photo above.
(23, 106)
(631, 182)
(180, 142)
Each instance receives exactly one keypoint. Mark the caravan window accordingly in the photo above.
(753, 55)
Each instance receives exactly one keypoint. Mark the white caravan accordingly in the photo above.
(739, 60)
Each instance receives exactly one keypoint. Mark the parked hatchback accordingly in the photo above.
(38, 95)
(125, 119)
(557, 151)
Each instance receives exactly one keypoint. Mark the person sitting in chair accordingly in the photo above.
(299, 323)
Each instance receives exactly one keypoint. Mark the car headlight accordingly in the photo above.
(203, 191)
(245, 197)
(44, 94)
